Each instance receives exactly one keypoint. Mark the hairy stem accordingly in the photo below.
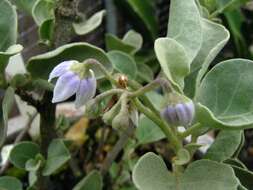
(171, 136)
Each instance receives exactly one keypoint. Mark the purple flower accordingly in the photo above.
(180, 114)
(73, 79)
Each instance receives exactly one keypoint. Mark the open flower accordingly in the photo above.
(73, 78)
(180, 114)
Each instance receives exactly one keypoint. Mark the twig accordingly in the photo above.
(19, 138)
(111, 156)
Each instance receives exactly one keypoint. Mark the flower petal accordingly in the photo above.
(170, 115)
(183, 115)
(60, 69)
(66, 86)
(86, 91)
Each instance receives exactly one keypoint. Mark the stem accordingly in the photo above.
(92, 62)
(108, 93)
(172, 138)
(149, 87)
(144, 98)
(190, 131)
(123, 139)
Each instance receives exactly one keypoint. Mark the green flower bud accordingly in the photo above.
(109, 116)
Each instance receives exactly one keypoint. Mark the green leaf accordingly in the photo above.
(43, 10)
(114, 43)
(173, 60)
(22, 152)
(40, 66)
(143, 12)
(10, 183)
(26, 5)
(215, 36)
(224, 146)
(235, 21)
(5, 56)
(46, 30)
(134, 39)
(183, 157)
(8, 25)
(147, 131)
(151, 173)
(185, 28)
(225, 96)
(145, 73)
(7, 104)
(243, 174)
(58, 155)
(87, 26)
(123, 63)
(93, 181)
(32, 164)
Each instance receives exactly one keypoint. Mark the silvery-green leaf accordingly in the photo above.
(123, 63)
(22, 152)
(114, 43)
(57, 156)
(185, 28)
(224, 146)
(225, 96)
(87, 26)
(151, 173)
(8, 25)
(147, 131)
(173, 60)
(215, 36)
(134, 39)
(42, 10)
(41, 65)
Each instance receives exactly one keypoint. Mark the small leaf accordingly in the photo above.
(123, 63)
(114, 43)
(5, 56)
(89, 25)
(32, 165)
(134, 39)
(41, 65)
(10, 183)
(22, 152)
(8, 25)
(93, 181)
(224, 96)
(173, 60)
(224, 146)
(183, 157)
(147, 131)
(58, 155)
(7, 104)
(46, 30)
(43, 10)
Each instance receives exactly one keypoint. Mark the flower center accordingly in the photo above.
(80, 69)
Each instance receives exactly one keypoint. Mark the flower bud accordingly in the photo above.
(181, 113)
(122, 121)
(109, 116)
